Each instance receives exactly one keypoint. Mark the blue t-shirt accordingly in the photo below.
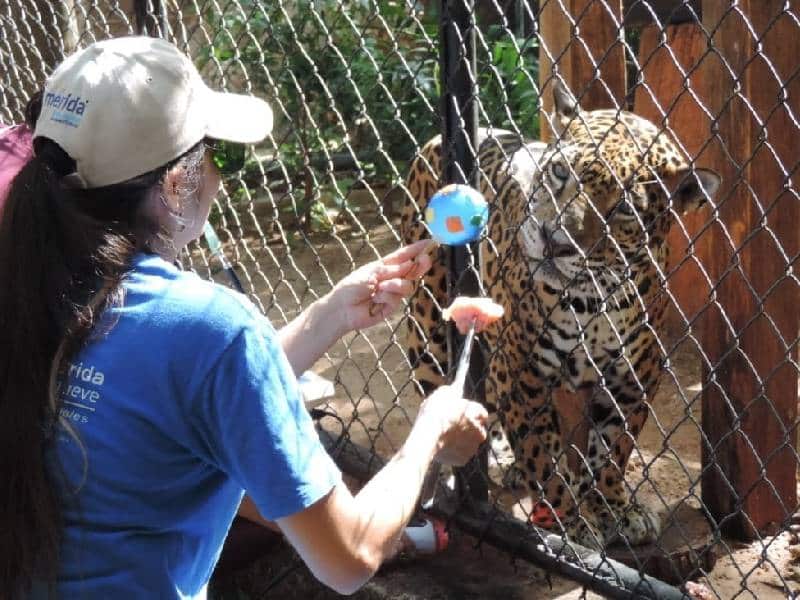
(185, 401)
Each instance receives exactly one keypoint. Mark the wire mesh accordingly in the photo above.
(685, 386)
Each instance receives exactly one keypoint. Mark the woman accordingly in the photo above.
(138, 402)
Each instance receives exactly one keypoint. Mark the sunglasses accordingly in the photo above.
(228, 157)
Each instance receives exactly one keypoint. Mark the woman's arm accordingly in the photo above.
(310, 334)
(362, 299)
(249, 511)
(345, 538)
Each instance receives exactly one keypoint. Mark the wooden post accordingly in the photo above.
(750, 328)
(673, 97)
(581, 41)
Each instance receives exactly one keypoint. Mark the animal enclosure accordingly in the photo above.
(709, 453)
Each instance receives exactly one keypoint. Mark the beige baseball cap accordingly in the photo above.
(125, 106)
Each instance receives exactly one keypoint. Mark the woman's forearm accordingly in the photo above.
(310, 334)
(387, 502)
(361, 531)
(345, 538)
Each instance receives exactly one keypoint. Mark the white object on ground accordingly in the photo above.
(429, 538)
(315, 388)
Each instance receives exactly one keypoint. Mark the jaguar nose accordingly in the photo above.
(557, 244)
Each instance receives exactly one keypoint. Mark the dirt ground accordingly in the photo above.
(377, 403)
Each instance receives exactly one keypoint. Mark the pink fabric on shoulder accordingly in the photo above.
(16, 149)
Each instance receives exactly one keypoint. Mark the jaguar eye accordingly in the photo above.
(559, 171)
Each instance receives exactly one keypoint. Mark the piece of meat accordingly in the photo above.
(463, 310)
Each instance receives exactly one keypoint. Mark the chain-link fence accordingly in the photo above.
(644, 376)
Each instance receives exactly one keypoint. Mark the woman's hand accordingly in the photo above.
(462, 422)
(358, 301)
(372, 292)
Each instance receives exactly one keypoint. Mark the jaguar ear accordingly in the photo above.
(566, 107)
(690, 188)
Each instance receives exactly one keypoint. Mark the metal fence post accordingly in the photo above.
(150, 18)
(459, 165)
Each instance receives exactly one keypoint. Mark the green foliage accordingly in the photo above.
(508, 82)
(351, 83)
(355, 83)
(347, 75)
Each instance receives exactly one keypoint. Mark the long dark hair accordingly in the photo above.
(63, 255)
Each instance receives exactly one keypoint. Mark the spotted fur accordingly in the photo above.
(575, 252)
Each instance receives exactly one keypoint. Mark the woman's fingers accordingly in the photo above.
(394, 287)
(463, 421)
(384, 304)
(409, 253)
(409, 262)
(405, 270)
(393, 277)
(477, 412)
(421, 265)
(388, 294)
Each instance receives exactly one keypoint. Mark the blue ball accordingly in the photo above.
(456, 215)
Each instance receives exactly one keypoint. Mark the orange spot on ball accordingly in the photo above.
(454, 224)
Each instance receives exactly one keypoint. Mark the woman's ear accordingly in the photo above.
(174, 182)
(690, 188)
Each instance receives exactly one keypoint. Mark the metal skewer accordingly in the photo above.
(428, 494)
(463, 362)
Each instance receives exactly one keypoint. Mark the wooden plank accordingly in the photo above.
(750, 391)
(673, 96)
(581, 41)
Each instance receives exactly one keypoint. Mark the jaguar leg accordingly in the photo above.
(612, 436)
(535, 431)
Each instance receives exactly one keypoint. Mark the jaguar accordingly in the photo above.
(575, 251)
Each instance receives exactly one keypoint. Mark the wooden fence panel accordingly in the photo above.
(674, 96)
(750, 332)
(581, 41)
